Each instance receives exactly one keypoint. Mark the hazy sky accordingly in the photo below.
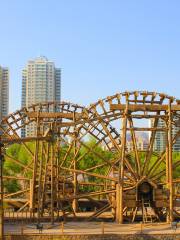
(102, 46)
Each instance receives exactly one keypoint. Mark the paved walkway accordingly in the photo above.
(91, 228)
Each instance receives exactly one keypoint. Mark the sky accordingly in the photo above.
(102, 46)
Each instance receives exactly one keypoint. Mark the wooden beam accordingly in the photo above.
(16, 193)
(86, 195)
(144, 107)
(90, 174)
(55, 115)
(8, 157)
(22, 140)
(144, 129)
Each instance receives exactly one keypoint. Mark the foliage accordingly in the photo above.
(18, 152)
(90, 155)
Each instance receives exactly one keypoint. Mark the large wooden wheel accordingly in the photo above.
(88, 161)
(38, 169)
(140, 169)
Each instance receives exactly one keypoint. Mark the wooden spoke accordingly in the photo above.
(137, 161)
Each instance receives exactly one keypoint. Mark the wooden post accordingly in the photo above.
(58, 185)
(52, 183)
(141, 223)
(35, 165)
(118, 203)
(119, 214)
(47, 159)
(62, 227)
(1, 194)
(74, 203)
(170, 164)
(113, 199)
(39, 203)
(167, 169)
(102, 227)
(31, 196)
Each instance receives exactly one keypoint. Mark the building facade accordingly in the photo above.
(41, 82)
(4, 92)
(160, 138)
(141, 144)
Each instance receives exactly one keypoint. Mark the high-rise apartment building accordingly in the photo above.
(160, 138)
(4, 92)
(41, 82)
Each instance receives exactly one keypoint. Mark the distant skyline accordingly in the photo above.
(102, 46)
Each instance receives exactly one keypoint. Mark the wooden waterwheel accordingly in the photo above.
(90, 162)
(146, 172)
